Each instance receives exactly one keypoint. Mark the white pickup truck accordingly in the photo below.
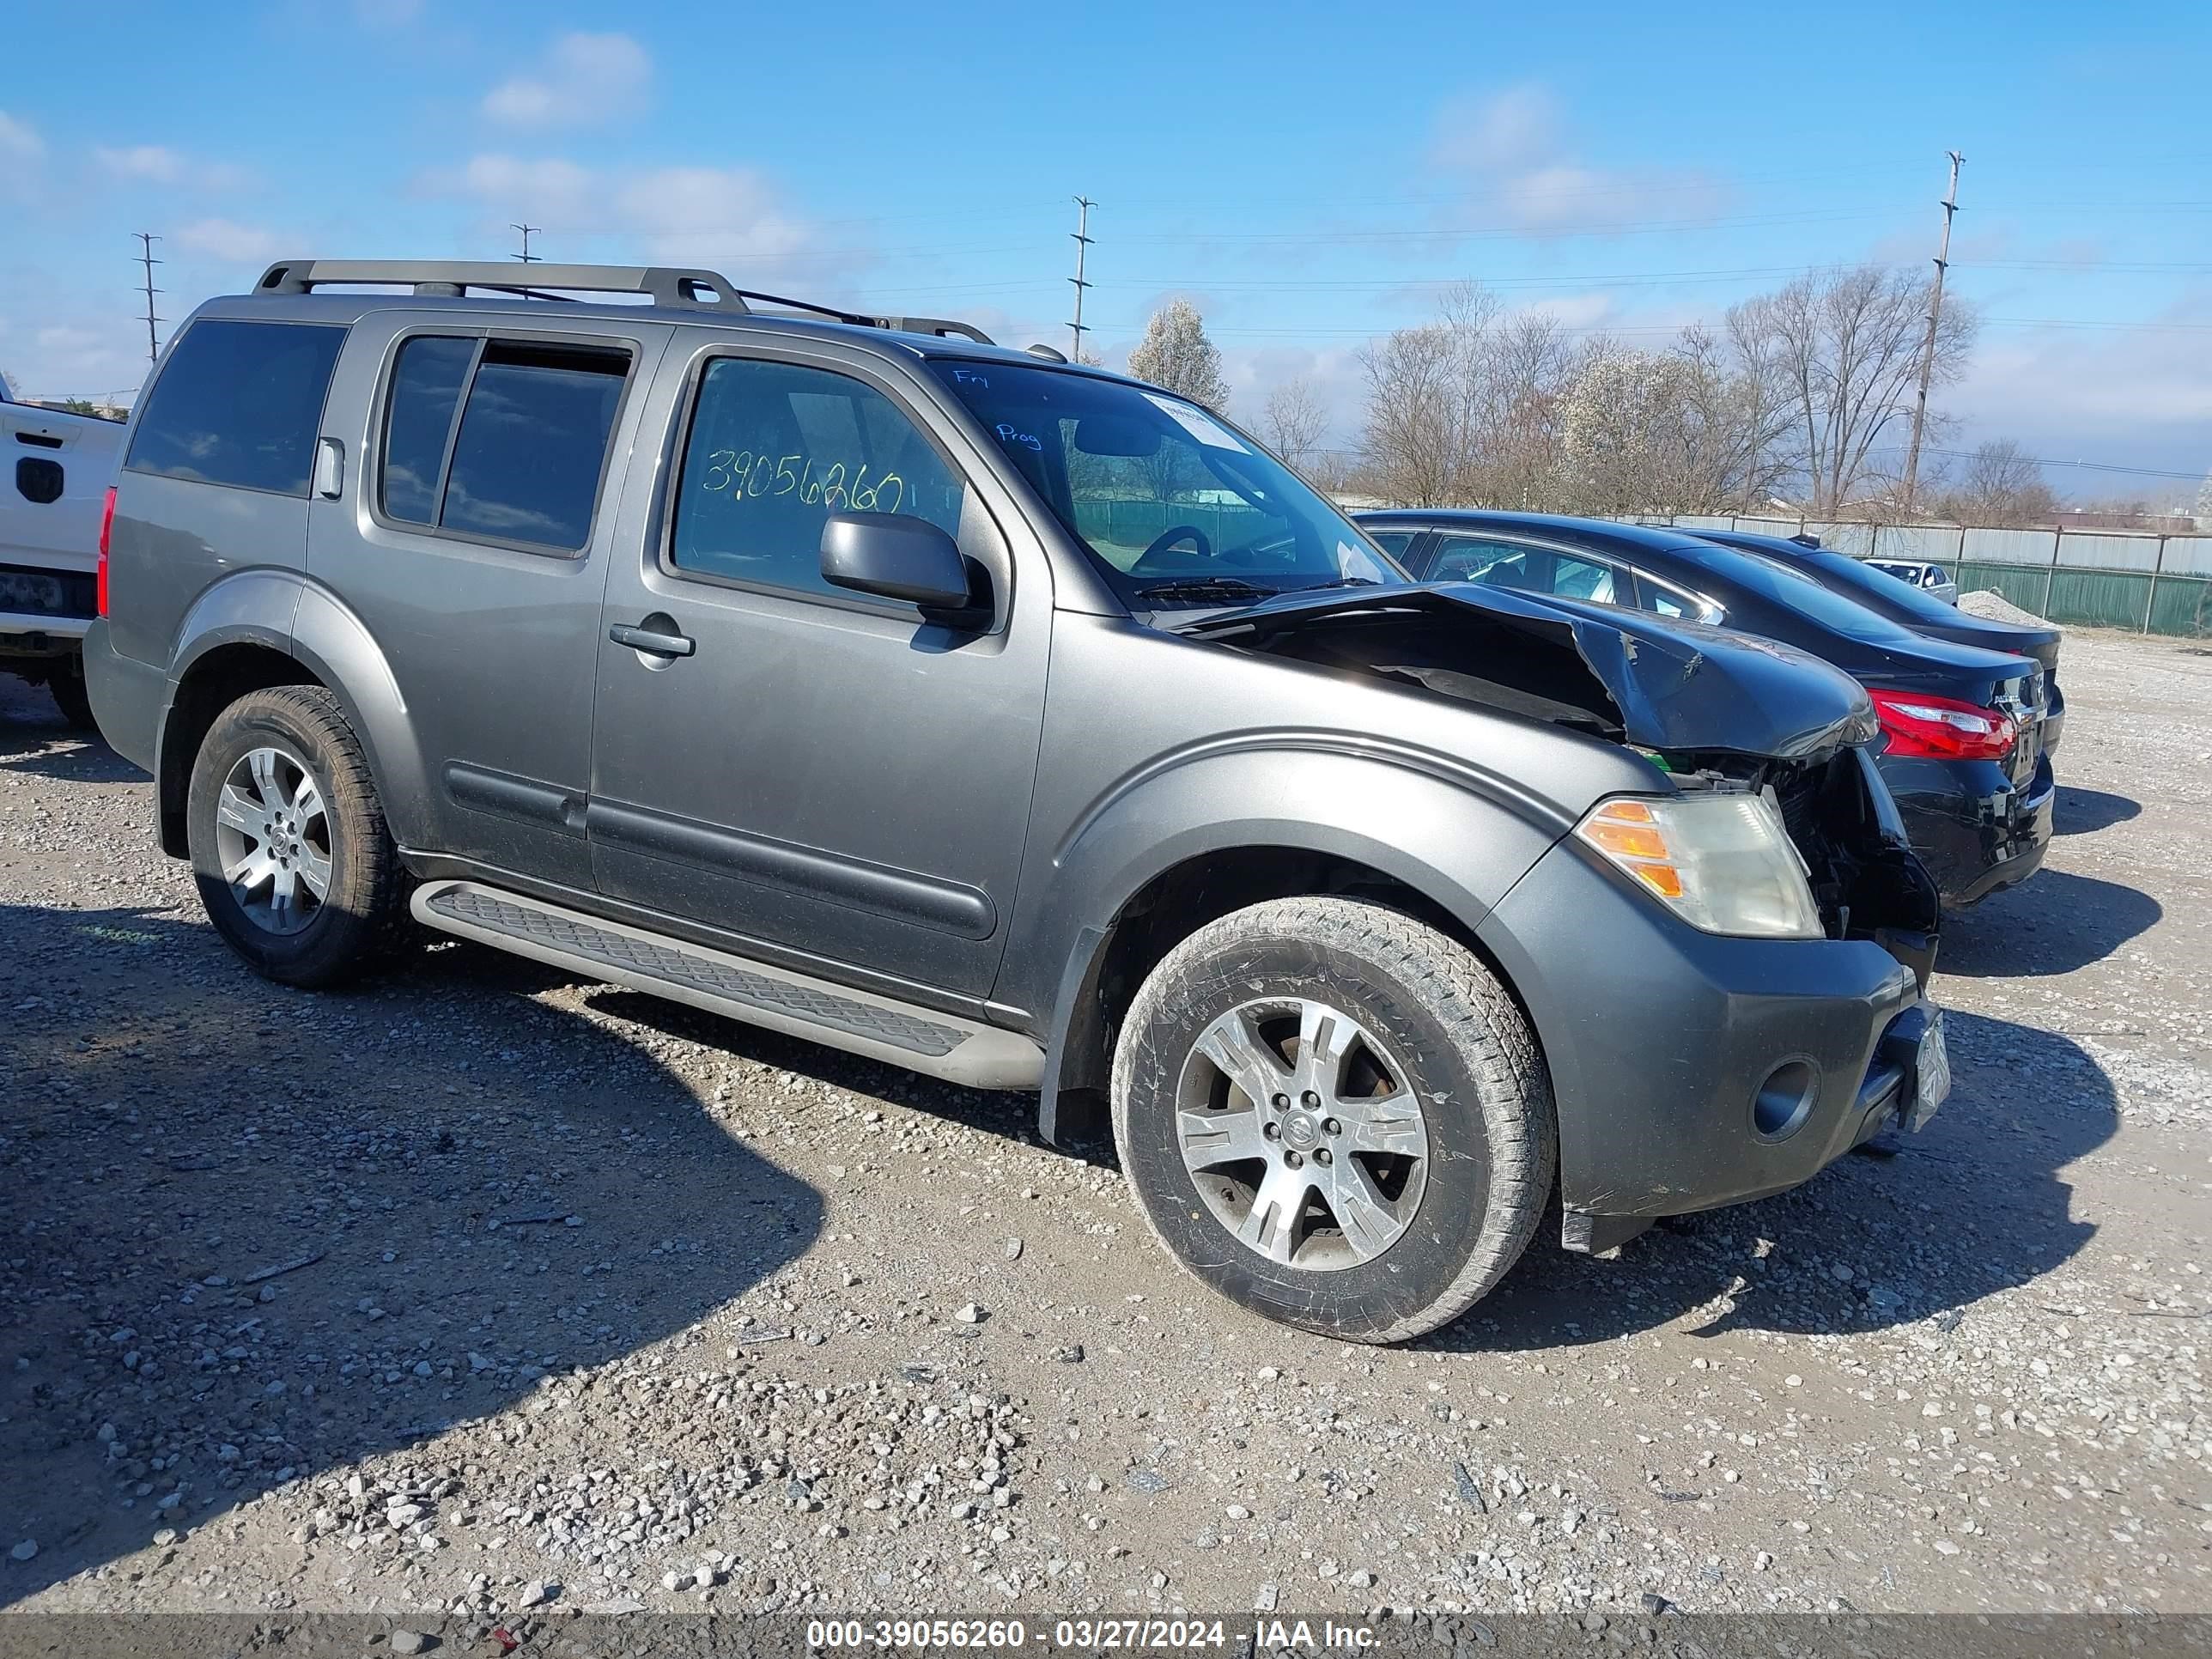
(55, 468)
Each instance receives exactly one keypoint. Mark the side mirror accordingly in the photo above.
(897, 557)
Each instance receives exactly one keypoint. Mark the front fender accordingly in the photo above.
(1401, 812)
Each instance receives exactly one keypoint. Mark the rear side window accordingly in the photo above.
(239, 404)
(505, 440)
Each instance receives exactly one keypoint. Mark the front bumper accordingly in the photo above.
(1690, 1071)
(1975, 828)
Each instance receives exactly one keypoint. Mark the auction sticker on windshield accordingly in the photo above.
(1196, 421)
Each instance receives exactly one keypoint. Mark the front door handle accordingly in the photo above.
(652, 641)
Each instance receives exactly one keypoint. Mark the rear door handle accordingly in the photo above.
(652, 641)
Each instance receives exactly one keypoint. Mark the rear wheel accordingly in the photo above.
(1335, 1115)
(288, 840)
(70, 697)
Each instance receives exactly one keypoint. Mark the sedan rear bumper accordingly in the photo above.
(1975, 829)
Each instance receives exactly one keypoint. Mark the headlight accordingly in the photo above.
(1723, 863)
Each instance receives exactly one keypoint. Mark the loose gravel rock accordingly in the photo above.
(583, 1300)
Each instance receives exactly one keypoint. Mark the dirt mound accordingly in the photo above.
(1992, 606)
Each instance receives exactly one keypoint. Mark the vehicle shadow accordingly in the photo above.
(1917, 1231)
(257, 1235)
(2085, 812)
(2053, 923)
(35, 740)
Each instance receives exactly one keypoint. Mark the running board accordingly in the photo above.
(920, 1039)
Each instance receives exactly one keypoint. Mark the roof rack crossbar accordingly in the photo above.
(666, 285)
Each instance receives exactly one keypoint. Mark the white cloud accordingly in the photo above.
(1518, 128)
(18, 141)
(2133, 396)
(583, 80)
(158, 164)
(669, 215)
(234, 243)
(1512, 151)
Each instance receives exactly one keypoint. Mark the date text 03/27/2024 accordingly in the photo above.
(1088, 1635)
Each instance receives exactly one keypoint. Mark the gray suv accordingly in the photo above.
(1014, 722)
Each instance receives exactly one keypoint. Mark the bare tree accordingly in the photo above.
(1739, 429)
(1175, 355)
(2000, 485)
(1462, 409)
(1295, 423)
(1416, 443)
(1847, 345)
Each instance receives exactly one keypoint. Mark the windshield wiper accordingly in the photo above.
(1341, 581)
(1201, 590)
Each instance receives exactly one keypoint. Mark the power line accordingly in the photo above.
(146, 241)
(1083, 206)
(1935, 315)
(525, 256)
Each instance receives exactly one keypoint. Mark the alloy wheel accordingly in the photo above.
(1302, 1133)
(274, 838)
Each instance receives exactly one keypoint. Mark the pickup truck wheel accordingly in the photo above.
(1335, 1115)
(287, 841)
(70, 697)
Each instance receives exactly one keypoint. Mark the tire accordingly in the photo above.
(315, 940)
(1444, 1143)
(70, 696)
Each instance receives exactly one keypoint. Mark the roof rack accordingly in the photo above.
(689, 288)
(668, 285)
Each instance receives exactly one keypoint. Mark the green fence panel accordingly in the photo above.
(2100, 598)
(2182, 606)
(2023, 585)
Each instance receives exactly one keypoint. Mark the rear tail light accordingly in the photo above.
(106, 530)
(1921, 727)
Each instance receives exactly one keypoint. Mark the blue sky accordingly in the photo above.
(1309, 175)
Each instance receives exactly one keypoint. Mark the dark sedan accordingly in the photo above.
(1922, 611)
(1963, 727)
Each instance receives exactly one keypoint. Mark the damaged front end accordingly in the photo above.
(1718, 711)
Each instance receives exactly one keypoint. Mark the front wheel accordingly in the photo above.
(287, 840)
(1335, 1115)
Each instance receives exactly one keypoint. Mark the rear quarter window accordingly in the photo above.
(239, 404)
(502, 441)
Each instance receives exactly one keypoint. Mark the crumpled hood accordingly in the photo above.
(1676, 685)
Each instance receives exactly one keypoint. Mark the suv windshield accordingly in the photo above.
(1175, 507)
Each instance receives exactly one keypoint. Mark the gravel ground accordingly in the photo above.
(480, 1294)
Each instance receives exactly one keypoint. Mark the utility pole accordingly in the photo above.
(525, 256)
(1927, 345)
(1083, 206)
(146, 260)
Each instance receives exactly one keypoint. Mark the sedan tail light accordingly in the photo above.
(106, 530)
(1921, 727)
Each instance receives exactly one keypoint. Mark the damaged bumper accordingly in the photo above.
(1690, 1070)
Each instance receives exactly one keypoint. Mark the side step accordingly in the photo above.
(921, 1039)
